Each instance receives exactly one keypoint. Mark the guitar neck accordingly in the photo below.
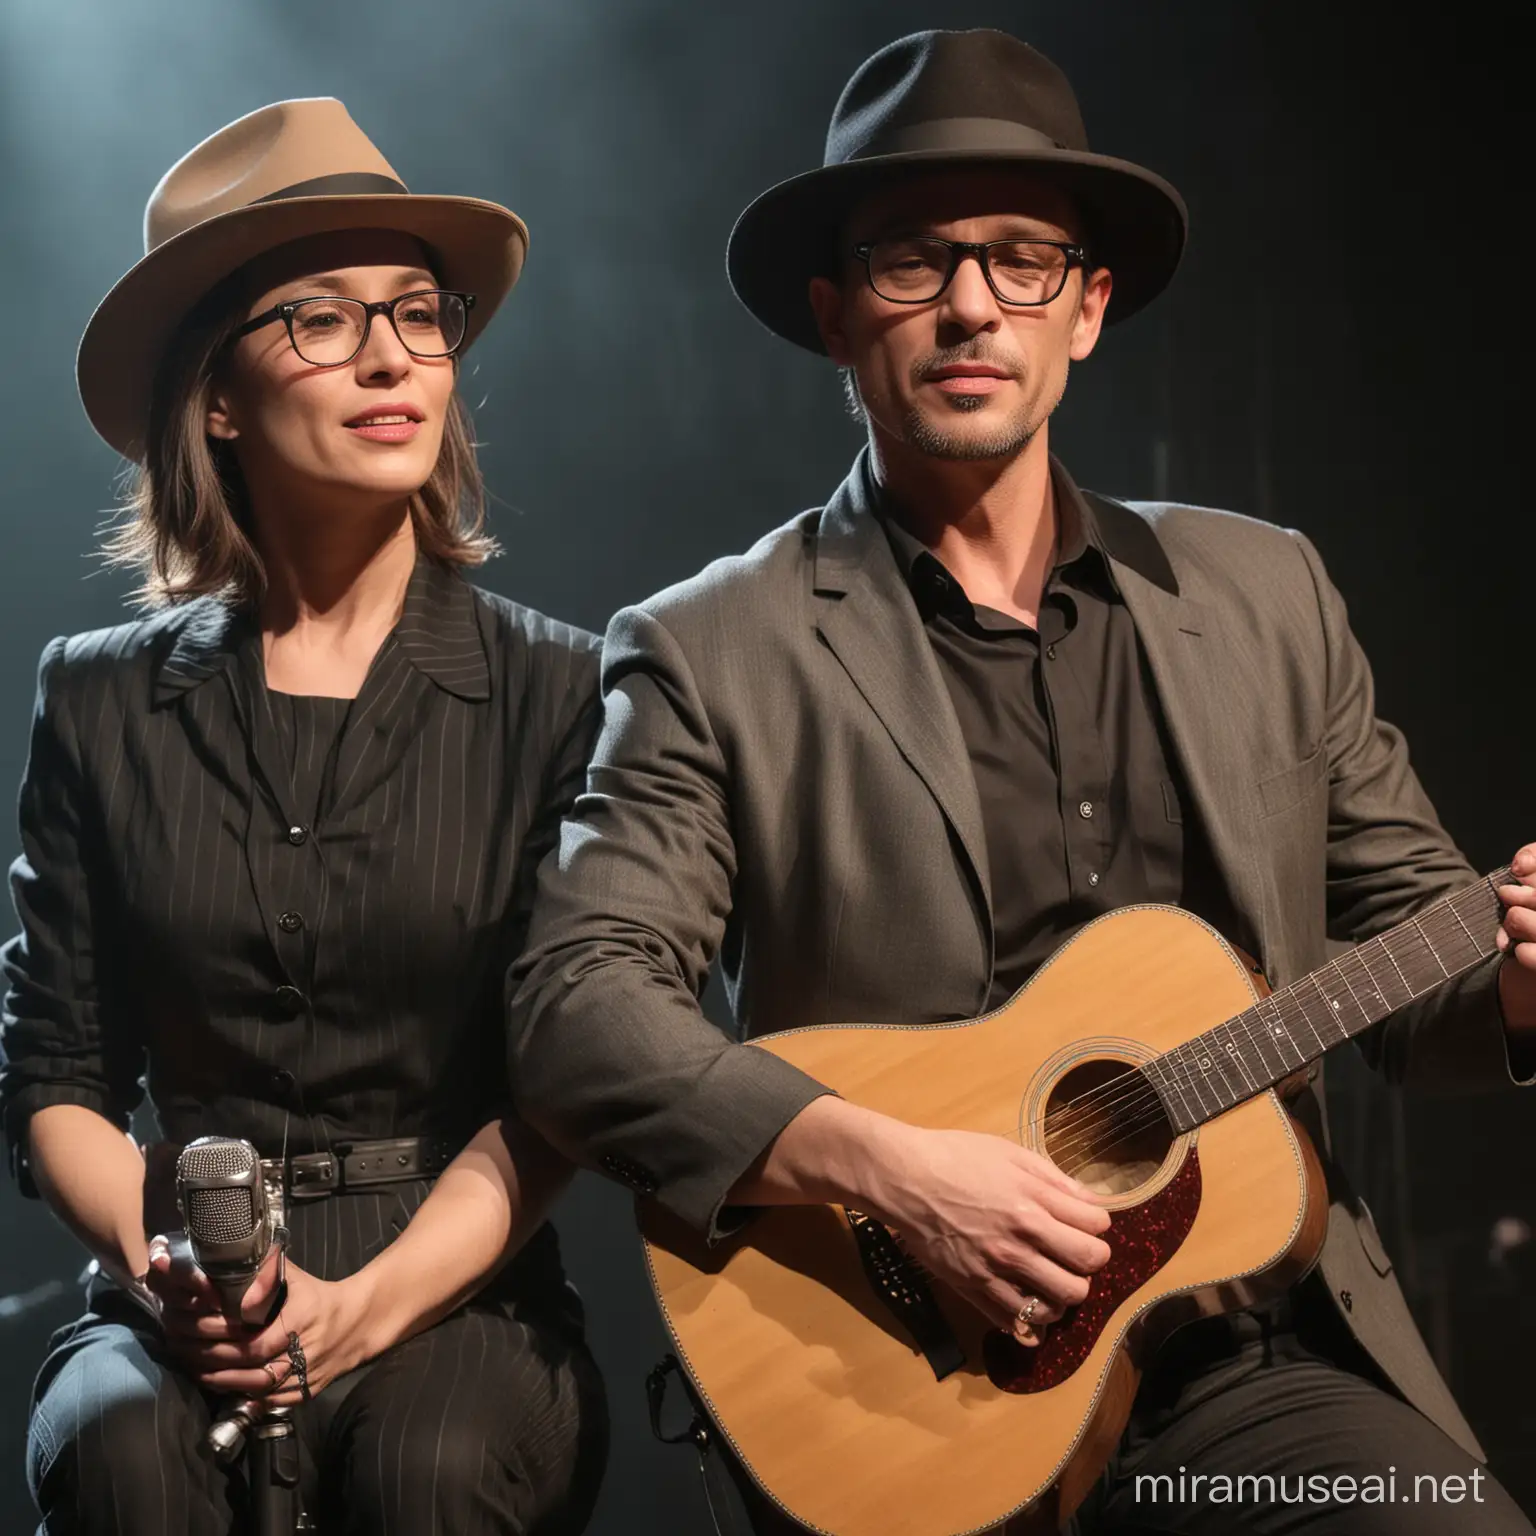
(1292, 1027)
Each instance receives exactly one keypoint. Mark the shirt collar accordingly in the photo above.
(1084, 556)
(438, 632)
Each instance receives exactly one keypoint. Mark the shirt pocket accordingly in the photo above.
(1290, 787)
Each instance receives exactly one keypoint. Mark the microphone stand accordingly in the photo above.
(265, 1433)
(272, 1472)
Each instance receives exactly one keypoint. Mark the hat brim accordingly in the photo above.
(476, 247)
(1137, 225)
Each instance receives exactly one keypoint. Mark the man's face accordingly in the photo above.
(964, 375)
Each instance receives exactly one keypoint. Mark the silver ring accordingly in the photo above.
(1026, 1312)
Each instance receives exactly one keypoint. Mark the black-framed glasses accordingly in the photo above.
(916, 269)
(329, 331)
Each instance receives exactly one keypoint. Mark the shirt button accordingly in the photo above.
(1093, 879)
(283, 1081)
(290, 1001)
(298, 835)
(1050, 653)
(290, 922)
(1085, 810)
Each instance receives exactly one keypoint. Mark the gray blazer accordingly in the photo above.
(779, 748)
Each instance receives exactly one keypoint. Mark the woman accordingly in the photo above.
(279, 843)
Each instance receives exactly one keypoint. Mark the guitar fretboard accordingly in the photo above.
(1294, 1026)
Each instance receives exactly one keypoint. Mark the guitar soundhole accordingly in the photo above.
(1104, 1124)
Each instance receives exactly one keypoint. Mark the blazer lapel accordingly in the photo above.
(1185, 645)
(437, 645)
(867, 617)
(213, 641)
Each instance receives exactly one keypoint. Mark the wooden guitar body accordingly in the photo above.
(811, 1377)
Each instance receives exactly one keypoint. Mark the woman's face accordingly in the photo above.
(368, 430)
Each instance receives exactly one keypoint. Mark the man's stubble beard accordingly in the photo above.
(1006, 439)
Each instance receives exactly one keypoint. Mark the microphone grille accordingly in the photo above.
(217, 1216)
(216, 1158)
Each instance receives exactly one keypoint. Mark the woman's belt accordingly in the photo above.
(363, 1164)
(350, 1166)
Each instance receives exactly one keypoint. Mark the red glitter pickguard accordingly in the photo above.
(1142, 1239)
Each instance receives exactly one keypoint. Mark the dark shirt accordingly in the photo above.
(294, 917)
(1081, 797)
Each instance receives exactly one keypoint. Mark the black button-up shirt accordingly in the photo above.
(1081, 797)
(291, 918)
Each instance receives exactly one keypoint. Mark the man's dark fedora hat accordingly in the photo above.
(952, 99)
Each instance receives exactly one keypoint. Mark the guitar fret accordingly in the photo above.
(1434, 954)
(1235, 1055)
(1467, 950)
(1374, 1007)
(1250, 1051)
(1210, 1060)
(1343, 976)
(1451, 907)
(1375, 986)
(1195, 1080)
(1332, 1009)
(1180, 1116)
(1282, 1031)
(1290, 996)
(1173, 1073)
(1258, 1038)
(1382, 945)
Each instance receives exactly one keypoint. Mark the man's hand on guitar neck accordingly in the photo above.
(1002, 1225)
(1517, 942)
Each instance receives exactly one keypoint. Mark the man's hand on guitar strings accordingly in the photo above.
(1001, 1225)
(1517, 943)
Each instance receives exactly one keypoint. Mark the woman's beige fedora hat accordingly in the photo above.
(295, 168)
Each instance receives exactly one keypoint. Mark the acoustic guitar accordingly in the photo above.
(863, 1396)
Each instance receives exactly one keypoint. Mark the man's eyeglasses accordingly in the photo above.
(916, 269)
(327, 332)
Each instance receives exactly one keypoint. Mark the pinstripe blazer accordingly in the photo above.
(334, 977)
(781, 781)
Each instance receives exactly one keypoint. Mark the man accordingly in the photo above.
(886, 762)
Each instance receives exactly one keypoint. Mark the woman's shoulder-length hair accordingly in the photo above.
(185, 525)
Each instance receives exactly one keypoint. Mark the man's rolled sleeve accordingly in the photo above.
(612, 1059)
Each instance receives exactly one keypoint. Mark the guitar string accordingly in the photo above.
(1288, 997)
(1153, 1114)
(1111, 1100)
(1103, 1097)
(1114, 1097)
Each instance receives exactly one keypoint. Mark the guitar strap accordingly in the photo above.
(727, 1510)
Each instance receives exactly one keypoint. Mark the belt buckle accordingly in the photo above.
(313, 1176)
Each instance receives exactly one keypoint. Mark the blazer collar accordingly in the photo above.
(208, 634)
(850, 532)
(438, 632)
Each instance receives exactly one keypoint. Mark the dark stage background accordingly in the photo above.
(1343, 352)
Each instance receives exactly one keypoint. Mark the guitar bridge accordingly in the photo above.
(901, 1283)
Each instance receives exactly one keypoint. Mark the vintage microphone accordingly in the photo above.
(222, 1197)
(231, 1219)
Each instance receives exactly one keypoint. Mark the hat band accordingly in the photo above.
(957, 135)
(341, 184)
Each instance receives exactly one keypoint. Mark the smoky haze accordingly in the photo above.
(1338, 354)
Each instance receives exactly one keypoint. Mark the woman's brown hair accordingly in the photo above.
(186, 524)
